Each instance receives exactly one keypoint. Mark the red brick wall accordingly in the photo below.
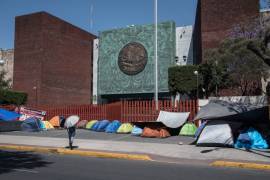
(215, 18)
(54, 56)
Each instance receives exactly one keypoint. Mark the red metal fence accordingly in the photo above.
(125, 111)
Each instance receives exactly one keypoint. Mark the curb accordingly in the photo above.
(241, 165)
(63, 151)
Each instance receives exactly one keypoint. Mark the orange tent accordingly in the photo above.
(55, 121)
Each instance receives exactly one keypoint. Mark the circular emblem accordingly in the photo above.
(132, 58)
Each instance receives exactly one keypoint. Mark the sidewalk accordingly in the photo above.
(152, 149)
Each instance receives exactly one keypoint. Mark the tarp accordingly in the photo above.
(55, 121)
(223, 110)
(155, 132)
(125, 128)
(113, 126)
(90, 124)
(82, 124)
(6, 115)
(251, 139)
(216, 133)
(136, 131)
(31, 124)
(102, 125)
(172, 119)
(189, 129)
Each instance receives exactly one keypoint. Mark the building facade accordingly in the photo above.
(215, 20)
(6, 63)
(52, 60)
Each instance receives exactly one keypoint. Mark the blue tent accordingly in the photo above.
(8, 115)
(199, 130)
(31, 124)
(102, 125)
(95, 126)
(251, 139)
(113, 126)
(136, 131)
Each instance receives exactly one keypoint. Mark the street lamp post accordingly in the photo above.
(156, 59)
(35, 89)
(197, 74)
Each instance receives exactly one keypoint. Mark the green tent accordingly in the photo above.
(125, 128)
(188, 129)
(90, 124)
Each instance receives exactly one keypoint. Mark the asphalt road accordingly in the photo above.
(32, 166)
(87, 134)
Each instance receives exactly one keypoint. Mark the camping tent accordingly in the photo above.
(136, 131)
(48, 125)
(82, 124)
(55, 121)
(102, 125)
(172, 119)
(90, 124)
(223, 110)
(8, 121)
(216, 133)
(31, 124)
(113, 126)
(125, 128)
(188, 129)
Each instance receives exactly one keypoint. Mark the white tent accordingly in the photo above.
(216, 133)
(172, 119)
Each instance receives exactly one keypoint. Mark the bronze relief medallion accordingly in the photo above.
(132, 58)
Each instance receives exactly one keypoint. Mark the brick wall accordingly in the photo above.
(215, 18)
(52, 60)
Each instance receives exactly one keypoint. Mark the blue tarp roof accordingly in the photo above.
(8, 115)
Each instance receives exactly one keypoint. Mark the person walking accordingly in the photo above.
(70, 124)
(71, 135)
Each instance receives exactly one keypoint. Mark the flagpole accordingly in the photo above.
(156, 59)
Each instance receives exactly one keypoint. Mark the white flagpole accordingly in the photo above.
(156, 59)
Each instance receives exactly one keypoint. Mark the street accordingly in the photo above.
(32, 166)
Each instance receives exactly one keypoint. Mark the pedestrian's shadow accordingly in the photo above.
(20, 160)
(73, 147)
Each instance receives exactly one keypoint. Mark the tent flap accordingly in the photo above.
(173, 119)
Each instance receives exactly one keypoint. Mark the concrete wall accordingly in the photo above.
(53, 60)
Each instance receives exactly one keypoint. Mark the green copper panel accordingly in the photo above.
(111, 80)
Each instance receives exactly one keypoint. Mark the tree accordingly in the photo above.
(244, 67)
(213, 74)
(183, 80)
(4, 83)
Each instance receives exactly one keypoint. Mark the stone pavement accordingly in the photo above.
(187, 152)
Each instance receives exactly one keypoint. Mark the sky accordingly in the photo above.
(95, 15)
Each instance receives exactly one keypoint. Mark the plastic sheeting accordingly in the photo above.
(222, 110)
(6, 115)
(216, 133)
(173, 119)
(251, 139)
(113, 126)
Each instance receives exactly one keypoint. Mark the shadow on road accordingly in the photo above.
(19, 160)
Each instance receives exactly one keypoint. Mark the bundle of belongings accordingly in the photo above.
(232, 124)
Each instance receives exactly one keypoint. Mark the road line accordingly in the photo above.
(21, 170)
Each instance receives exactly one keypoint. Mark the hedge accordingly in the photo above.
(12, 97)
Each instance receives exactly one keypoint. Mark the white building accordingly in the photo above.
(7, 62)
(184, 45)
